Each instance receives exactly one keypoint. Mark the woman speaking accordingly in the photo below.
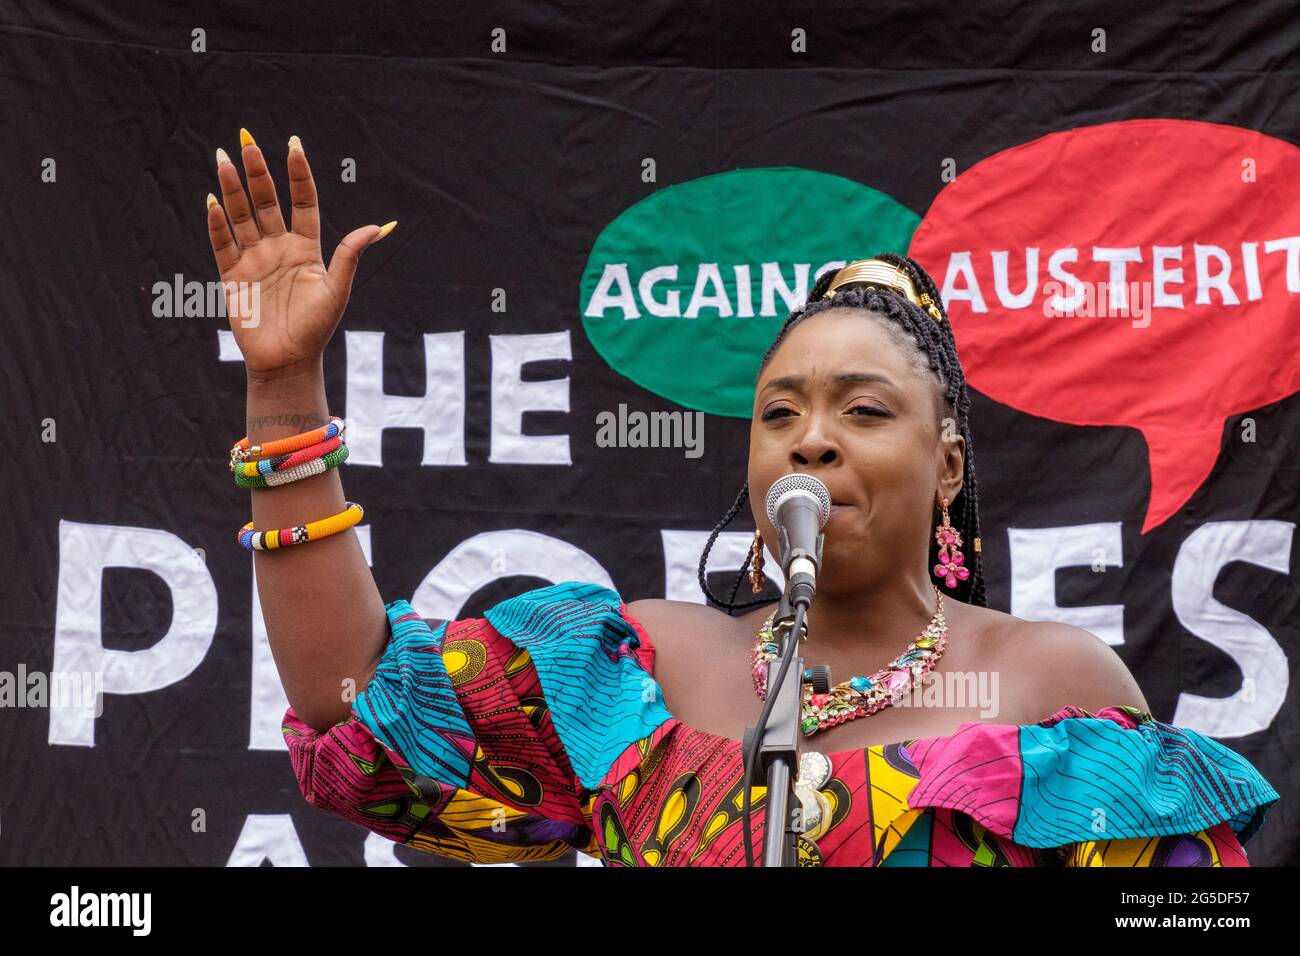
(565, 718)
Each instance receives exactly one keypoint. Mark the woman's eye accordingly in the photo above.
(772, 413)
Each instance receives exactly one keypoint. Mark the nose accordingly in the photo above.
(814, 444)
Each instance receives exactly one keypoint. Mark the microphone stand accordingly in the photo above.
(779, 735)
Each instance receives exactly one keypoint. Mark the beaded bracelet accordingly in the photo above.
(316, 466)
(300, 534)
(266, 466)
(242, 451)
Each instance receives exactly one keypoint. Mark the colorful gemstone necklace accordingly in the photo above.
(857, 696)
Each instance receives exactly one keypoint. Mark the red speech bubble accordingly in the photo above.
(1142, 273)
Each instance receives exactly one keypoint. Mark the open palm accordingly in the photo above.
(286, 304)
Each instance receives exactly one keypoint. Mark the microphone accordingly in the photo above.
(798, 506)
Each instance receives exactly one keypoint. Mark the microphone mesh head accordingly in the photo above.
(797, 482)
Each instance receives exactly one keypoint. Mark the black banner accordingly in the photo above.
(492, 375)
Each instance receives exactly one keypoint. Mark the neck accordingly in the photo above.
(866, 628)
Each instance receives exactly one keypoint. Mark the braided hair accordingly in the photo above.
(919, 334)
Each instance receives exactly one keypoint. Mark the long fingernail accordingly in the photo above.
(385, 230)
(245, 138)
(222, 157)
(295, 143)
(212, 200)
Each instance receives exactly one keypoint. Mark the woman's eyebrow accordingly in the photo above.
(843, 378)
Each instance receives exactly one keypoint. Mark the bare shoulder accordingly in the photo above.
(1068, 665)
(685, 633)
(663, 619)
(661, 609)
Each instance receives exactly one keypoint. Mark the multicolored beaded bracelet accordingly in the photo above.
(300, 534)
(266, 466)
(243, 451)
(316, 466)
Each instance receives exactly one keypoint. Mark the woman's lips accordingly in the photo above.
(836, 509)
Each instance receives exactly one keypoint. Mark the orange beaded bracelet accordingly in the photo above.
(242, 451)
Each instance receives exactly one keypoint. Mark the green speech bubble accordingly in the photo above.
(684, 291)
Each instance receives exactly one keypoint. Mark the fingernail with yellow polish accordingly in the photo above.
(222, 157)
(385, 230)
(295, 143)
(245, 138)
(212, 200)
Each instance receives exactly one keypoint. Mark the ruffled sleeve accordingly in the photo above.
(1114, 788)
(485, 739)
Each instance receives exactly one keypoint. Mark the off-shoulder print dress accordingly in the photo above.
(540, 727)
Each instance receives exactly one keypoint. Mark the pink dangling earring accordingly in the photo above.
(950, 566)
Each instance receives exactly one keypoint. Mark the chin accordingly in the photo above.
(847, 536)
(838, 567)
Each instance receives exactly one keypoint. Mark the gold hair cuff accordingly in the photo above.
(878, 274)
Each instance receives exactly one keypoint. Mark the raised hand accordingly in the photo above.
(299, 302)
